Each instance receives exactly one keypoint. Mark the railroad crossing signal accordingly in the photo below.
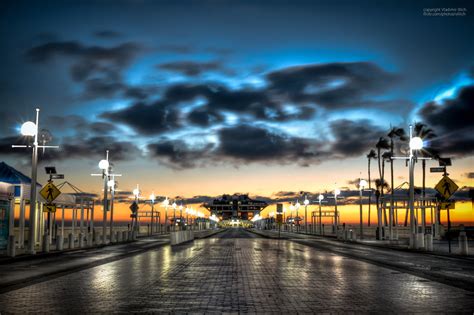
(446, 187)
(49, 208)
(50, 192)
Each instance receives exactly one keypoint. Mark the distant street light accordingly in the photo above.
(292, 220)
(174, 206)
(306, 203)
(320, 200)
(297, 207)
(152, 201)
(337, 192)
(362, 185)
(166, 204)
(112, 186)
(31, 129)
(136, 193)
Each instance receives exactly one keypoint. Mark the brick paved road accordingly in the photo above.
(228, 274)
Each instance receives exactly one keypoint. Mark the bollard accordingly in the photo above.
(134, 235)
(429, 242)
(118, 237)
(129, 236)
(412, 241)
(59, 242)
(463, 245)
(45, 243)
(11, 246)
(124, 236)
(71, 241)
(98, 238)
(81, 240)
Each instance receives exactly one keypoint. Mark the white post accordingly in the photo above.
(81, 224)
(62, 222)
(34, 162)
(412, 195)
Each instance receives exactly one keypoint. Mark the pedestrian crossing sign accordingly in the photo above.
(446, 187)
(49, 192)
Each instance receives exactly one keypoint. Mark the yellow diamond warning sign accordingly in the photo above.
(49, 192)
(446, 187)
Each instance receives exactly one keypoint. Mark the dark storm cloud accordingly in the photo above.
(332, 85)
(97, 68)
(251, 144)
(107, 34)
(452, 122)
(178, 154)
(7, 142)
(193, 68)
(79, 125)
(147, 119)
(178, 49)
(92, 147)
(203, 117)
(353, 138)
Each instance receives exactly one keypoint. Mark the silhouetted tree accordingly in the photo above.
(382, 144)
(394, 134)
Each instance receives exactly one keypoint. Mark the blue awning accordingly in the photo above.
(12, 176)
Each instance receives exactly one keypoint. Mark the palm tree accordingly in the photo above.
(382, 144)
(370, 156)
(393, 134)
(379, 185)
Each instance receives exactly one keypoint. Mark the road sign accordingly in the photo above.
(49, 208)
(134, 207)
(57, 176)
(279, 208)
(446, 187)
(447, 205)
(49, 192)
(437, 169)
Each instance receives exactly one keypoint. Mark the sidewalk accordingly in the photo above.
(453, 270)
(25, 270)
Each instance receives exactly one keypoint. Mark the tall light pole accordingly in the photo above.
(180, 216)
(297, 207)
(320, 200)
(166, 204)
(292, 207)
(31, 129)
(416, 144)
(112, 186)
(306, 203)
(337, 192)
(136, 193)
(174, 206)
(152, 201)
(362, 185)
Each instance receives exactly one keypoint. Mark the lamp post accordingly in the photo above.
(306, 203)
(152, 201)
(320, 200)
(174, 205)
(180, 216)
(292, 207)
(297, 207)
(136, 193)
(362, 185)
(31, 129)
(337, 192)
(166, 204)
(112, 186)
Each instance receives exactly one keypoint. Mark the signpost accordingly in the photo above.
(440, 169)
(49, 208)
(446, 188)
(49, 192)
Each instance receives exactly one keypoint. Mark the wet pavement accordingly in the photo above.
(238, 271)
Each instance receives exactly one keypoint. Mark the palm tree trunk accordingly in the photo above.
(391, 181)
(382, 194)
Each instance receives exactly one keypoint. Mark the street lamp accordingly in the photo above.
(292, 208)
(174, 206)
(180, 215)
(166, 204)
(30, 129)
(152, 201)
(320, 200)
(112, 186)
(306, 203)
(136, 193)
(362, 185)
(297, 207)
(337, 192)
(415, 144)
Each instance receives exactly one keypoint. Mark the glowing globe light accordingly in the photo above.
(28, 129)
(306, 201)
(136, 192)
(103, 164)
(362, 183)
(111, 183)
(337, 192)
(166, 202)
(320, 197)
(416, 143)
(152, 197)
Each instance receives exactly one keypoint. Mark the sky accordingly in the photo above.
(201, 98)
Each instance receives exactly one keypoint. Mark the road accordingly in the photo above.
(237, 271)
